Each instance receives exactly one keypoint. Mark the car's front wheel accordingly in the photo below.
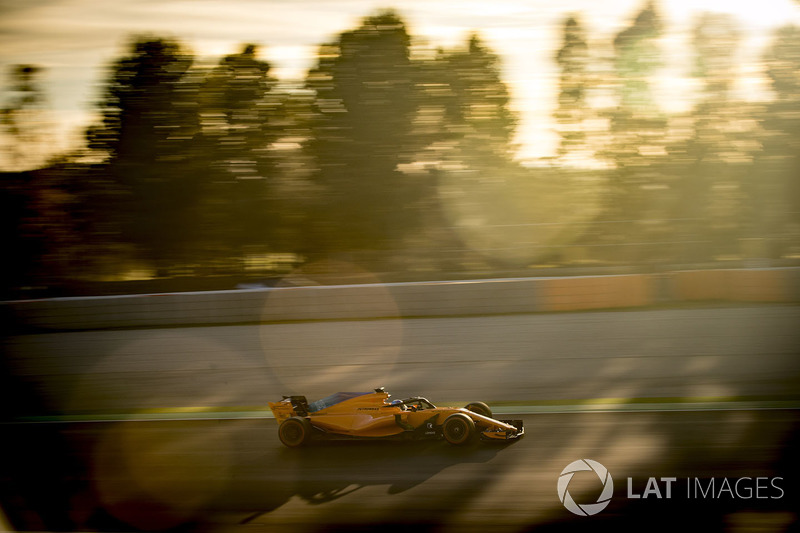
(295, 432)
(458, 429)
(480, 408)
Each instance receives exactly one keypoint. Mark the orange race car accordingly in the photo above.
(373, 415)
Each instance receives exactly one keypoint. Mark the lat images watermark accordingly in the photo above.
(586, 509)
(666, 488)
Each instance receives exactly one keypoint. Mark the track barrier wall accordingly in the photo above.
(394, 300)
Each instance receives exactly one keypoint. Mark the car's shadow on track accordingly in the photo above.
(324, 472)
(193, 475)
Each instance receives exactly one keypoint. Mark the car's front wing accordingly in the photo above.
(510, 429)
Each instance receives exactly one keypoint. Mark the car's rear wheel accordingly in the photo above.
(458, 429)
(295, 432)
(480, 408)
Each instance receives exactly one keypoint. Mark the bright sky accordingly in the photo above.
(76, 39)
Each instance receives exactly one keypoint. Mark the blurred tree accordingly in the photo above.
(16, 194)
(240, 120)
(572, 111)
(361, 130)
(778, 190)
(720, 151)
(22, 249)
(637, 58)
(637, 141)
(475, 175)
(715, 38)
(150, 135)
(237, 113)
(54, 223)
(22, 119)
(461, 120)
(478, 113)
(43, 215)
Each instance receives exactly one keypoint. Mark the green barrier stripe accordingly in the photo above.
(651, 400)
(196, 409)
(509, 407)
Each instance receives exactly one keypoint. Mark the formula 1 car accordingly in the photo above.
(371, 415)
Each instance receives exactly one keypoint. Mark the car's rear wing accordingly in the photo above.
(288, 407)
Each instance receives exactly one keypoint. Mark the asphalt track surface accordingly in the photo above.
(221, 475)
(730, 352)
(234, 475)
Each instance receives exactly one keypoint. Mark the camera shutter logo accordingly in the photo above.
(586, 509)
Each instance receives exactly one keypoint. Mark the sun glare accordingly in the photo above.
(751, 14)
(524, 34)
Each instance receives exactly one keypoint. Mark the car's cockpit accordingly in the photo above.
(412, 404)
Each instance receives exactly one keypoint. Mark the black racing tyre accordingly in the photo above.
(480, 408)
(458, 429)
(295, 432)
